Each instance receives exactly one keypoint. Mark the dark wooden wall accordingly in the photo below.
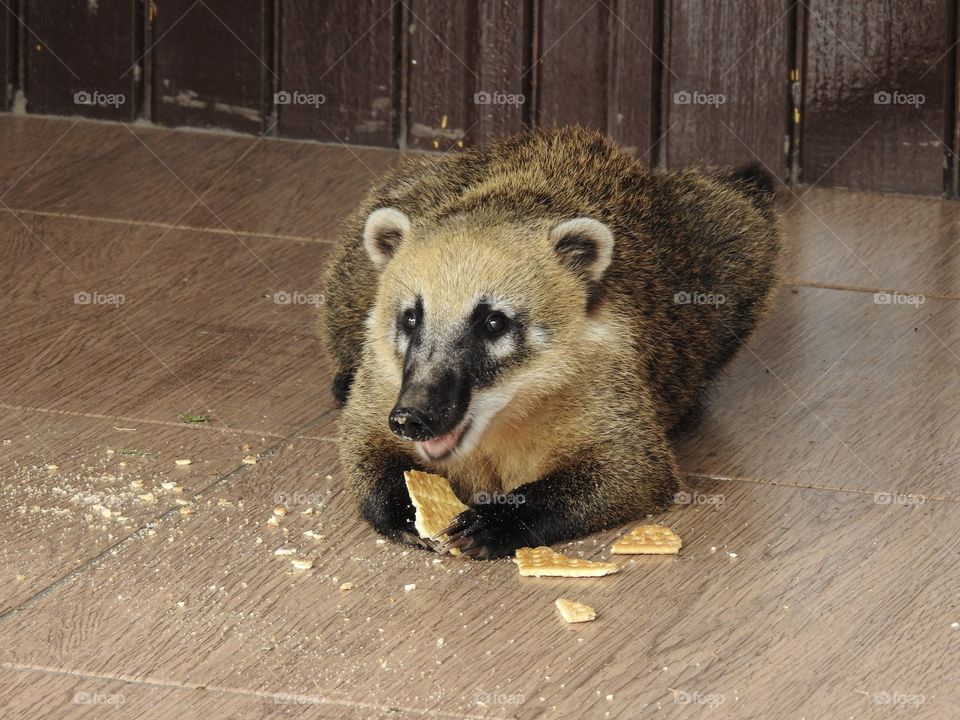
(7, 62)
(853, 94)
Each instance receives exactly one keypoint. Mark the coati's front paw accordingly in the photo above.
(389, 509)
(484, 532)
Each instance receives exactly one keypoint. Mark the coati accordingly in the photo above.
(532, 320)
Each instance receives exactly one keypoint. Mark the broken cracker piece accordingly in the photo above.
(301, 564)
(544, 562)
(435, 502)
(574, 612)
(648, 540)
(249, 460)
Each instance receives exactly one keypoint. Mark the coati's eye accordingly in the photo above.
(495, 324)
(409, 320)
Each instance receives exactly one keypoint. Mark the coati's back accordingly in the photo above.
(680, 238)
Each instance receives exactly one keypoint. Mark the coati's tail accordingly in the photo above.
(756, 182)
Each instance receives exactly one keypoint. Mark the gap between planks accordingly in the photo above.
(164, 226)
(303, 698)
(165, 423)
(809, 486)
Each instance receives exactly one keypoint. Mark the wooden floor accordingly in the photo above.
(819, 576)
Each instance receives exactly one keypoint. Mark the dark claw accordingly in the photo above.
(477, 553)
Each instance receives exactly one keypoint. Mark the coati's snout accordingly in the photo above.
(431, 408)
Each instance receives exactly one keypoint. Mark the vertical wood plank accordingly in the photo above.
(596, 66)
(875, 88)
(467, 71)
(7, 22)
(81, 57)
(339, 70)
(727, 87)
(211, 63)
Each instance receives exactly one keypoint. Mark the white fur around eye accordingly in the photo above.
(537, 336)
(502, 347)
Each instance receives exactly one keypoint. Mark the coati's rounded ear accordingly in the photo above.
(585, 245)
(383, 232)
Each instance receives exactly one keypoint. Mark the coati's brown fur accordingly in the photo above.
(617, 361)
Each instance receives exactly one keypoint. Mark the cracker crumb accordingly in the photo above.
(273, 521)
(183, 461)
(186, 510)
(279, 511)
(346, 586)
(409, 586)
(282, 551)
(314, 535)
(249, 459)
(575, 612)
(301, 564)
(51, 466)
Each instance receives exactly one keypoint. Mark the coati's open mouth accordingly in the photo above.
(443, 446)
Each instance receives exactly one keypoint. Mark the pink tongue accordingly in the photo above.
(442, 444)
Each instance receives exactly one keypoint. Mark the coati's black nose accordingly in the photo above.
(411, 423)
(426, 410)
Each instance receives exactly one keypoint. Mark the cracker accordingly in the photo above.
(435, 502)
(648, 540)
(574, 612)
(544, 562)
